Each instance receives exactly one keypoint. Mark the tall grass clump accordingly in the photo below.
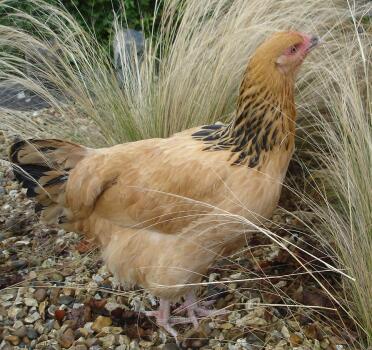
(189, 75)
(344, 153)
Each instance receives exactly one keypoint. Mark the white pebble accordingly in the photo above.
(285, 332)
(13, 193)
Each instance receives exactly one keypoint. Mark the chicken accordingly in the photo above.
(161, 208)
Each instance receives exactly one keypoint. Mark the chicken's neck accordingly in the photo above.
(264, 121)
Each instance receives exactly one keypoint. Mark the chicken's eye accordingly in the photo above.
(293, 49)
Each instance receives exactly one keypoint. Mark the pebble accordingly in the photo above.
(100, 322)
(171, 346)
(295, 339)
(39, 326)
(316, 345)
(88, 327)
(111, 330)
(134, 345)
(65, 299)
(56, 277)
(31, 333)
(324, 343)
(226, 326)
(32, 275)
(311, 331)
(293, 324)
(20, 332)
(14, 312)
(81, 347)
(112, 306)
(7, 297)
(49, 325)
(251, 321)
(285, 332)
(67, 338)
(13, 339)
(32, 318)
(108, 341)
(13, 193)
(146, 344)
(82, 332)
(92, 343)
(30, 302)
(17, 324)
(40, 294)
(77, 305)
(123, 340)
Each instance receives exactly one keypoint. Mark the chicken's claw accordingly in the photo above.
(162, 317)
(195, 308)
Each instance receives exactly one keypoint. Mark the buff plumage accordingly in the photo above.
(155, 205)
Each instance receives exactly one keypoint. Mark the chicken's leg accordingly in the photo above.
(162, 317)
(194, 308)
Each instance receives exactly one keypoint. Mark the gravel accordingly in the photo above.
(56, 294)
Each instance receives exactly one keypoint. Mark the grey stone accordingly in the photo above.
(31, 333)
(128, 47)
(65, 299)
(20, 332)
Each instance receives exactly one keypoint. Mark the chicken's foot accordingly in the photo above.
(195, 308)
(162, 317)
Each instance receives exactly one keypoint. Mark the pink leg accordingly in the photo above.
(162, 317)
(191, 305)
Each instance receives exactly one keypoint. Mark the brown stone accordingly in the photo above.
(295, 339)
(311, 331)
(12, 339)
(67, 338)
(40, 294)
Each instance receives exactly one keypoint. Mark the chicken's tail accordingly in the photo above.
(43, 166)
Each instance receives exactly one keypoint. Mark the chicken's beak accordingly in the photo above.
(314, 42)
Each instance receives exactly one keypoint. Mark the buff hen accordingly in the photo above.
(158, 207)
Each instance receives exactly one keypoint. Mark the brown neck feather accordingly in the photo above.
(264, 119)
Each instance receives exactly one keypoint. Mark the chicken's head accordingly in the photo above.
(284, 52)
